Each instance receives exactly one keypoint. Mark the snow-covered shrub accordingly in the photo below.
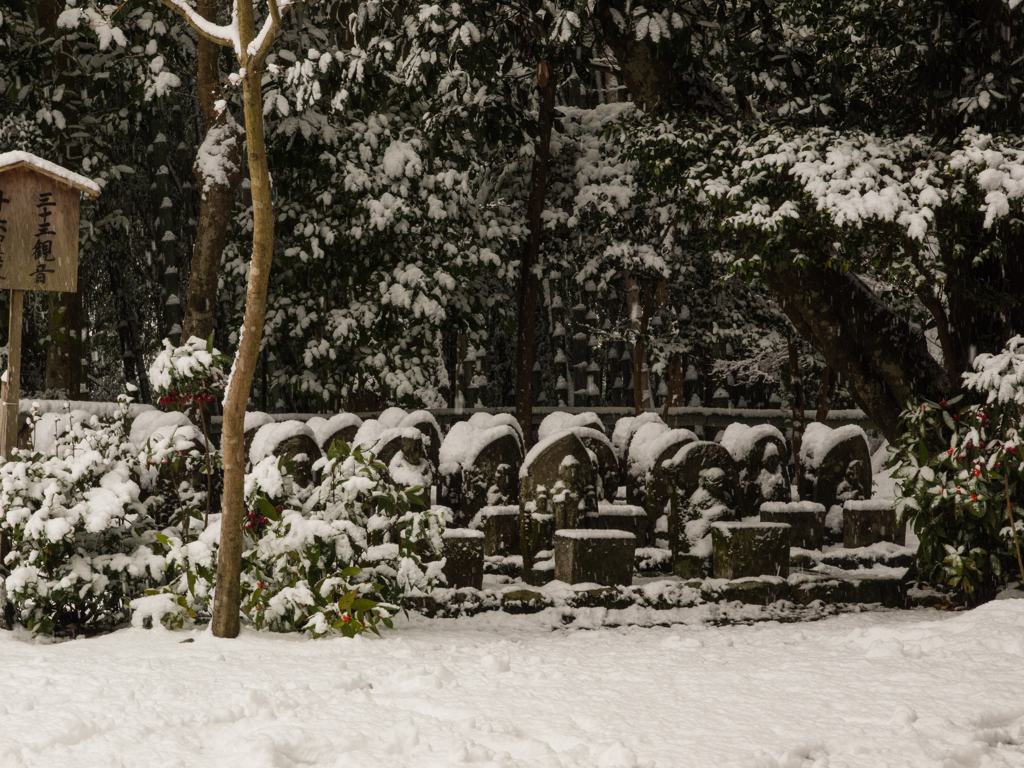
(339, 560)
(82, 544)
(960, 477)
(187, 375)
(189, 378)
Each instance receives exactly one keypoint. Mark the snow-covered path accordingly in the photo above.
(920, 688)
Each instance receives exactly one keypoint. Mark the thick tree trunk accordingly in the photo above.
(227, 599)
(217, 192)
(527, 271)
(66, 350)
(881, 358)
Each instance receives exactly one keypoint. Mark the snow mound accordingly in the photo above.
(269, 436)
(739, 439)
(148, 422)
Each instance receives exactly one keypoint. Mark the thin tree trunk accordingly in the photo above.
(639, 306)
(796, 389)
(527, 272)
(227, 599)
(828, 389)
(676, 377)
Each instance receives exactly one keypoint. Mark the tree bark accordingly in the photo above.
(796, 390)
(227, 599)
(828, 389)
(217, 194)
(639, 308)
(527, 269)
(881, 358)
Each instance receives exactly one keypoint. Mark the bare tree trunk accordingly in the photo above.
(227, 599)
(796, 389)
(66, 350)
(828, 389)
(217, 193)
(527, 272)
(639, 307)
(676, 377)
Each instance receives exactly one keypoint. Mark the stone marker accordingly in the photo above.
(868, 522)
(464, 558)
(600, 557)
(742, 550)
(805, 519)
(622, 517)
(704, 477)
(291, 441)
(557, 488)
(491, 477)
(343, 426)
(837, 465)
(500, 526)
(659, 480)
(759, 454)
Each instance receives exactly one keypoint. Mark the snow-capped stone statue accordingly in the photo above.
(557, 489)
(760, 454)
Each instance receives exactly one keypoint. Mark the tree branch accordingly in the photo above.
(212, 32)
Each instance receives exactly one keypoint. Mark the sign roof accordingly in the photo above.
(11, 160)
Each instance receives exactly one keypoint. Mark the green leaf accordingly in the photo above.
(363, 604)
(268, 509)
(165, 540)
(351, 571)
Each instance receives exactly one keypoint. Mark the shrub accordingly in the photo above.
(82, 544)
(312, 563)
(959, 477)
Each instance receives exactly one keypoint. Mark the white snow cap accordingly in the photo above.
(488, 420)
(16, 158)
(649, 442)
(269, 436)
(587, 533)
(560, 421)
(256, 419)
(464, 442)
(52, 425)
(327, 427)
(739, 439)
(148, 422)
(819, 439)
(627, 426)
(392, 417)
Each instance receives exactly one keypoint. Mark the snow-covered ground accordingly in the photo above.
(912, 688)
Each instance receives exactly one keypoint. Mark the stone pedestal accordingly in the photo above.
(806, 520)
(750, 549)
(464, 558)
(601, 557)
(620, 517)
(869, 522)
(500, 526)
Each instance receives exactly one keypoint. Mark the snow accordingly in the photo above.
(585, 534)
(910, 689)
(627, 426)
(539, 448)
(868, 505)
(256, 419)
(487, 420)
(739, 439)
(560, 422)
(462, 533)
(778, 507)
(269, 436)
(15, 158)
(819, 439)
(324, 429)
(464, 442)
(148, 422)
(649, 442)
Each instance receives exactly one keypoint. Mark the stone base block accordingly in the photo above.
(691, 566)
(464, 558)
(500, 526)
(535, 536)
(601, 557)
(620, 517)
(805, 519)
(759, 591)
(750, 549)
(890, 592)
(869, 522)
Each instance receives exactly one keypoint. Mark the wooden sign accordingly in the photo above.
(38, 252)
(39, 224)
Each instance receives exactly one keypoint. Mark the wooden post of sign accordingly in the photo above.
(39, 206)
(9, 416)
